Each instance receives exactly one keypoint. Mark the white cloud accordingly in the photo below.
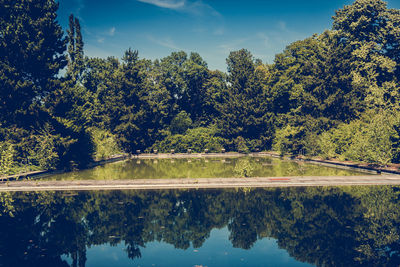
(164, 42)
(198, 8)
(264, 38)
(112, 31)
(170, 4)
(101, 40)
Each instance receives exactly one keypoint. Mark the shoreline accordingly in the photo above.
(31, 181)
(201, 183)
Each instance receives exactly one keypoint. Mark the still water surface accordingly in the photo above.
(315, 226)
(203, 168)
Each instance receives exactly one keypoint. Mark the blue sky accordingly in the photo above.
(212, 28)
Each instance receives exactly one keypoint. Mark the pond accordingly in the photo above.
(203, 167)
(314, 226)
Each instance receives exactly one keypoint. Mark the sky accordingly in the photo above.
(212, 28)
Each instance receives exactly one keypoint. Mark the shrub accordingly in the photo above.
(244, 168)
(337, 141)
(105, 144)
(373, 143)
(196, 139)
(287, 140)
(44, 153)
(371, 139)
(180, 123)
(7, 154)
(74, 146)
(240, 145)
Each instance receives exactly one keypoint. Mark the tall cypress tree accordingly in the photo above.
(75, 50)
(71, 41)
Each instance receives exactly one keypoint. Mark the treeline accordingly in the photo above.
(335, 94)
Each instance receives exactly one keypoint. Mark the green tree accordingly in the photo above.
(100, 79)
(371, 29)
(32, 54)
(181, 123)
(75, 50)
(311, 77)
(129, 103)
(196, 74)
(7, 161)
(215, 90)
(245, 110)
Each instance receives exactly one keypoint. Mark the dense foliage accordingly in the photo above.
(335, 94)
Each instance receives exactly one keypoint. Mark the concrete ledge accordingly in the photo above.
(188, 155)
(198, 183)
(361, 167)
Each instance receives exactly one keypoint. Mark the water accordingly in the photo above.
(203, 168)
(315, 226)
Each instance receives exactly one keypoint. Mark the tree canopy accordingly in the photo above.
(328, 95)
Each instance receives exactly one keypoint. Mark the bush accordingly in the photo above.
(7, 154)
(74, 145)
(335, 142)
(44, 153)
(373, 143)
(196, 139)
(240, 145)
(288, 140)
(180, 123)
(371, 139)
(244, 168)
(105, 144)
(46, 142)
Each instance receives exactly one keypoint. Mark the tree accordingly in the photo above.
(180, 123)
(100, 80)
(185, 78)
(215, 89)
(245, 111)
(32, 50)
(372, 32)
(72, 100)
(171, 68)
(196, 74)
(31, 55)
(311, 77)
(129, 103)
(75, 50)
(137, 104)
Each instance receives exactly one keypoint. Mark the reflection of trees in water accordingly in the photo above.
(202, 168)
(244, 167)
(324, 226)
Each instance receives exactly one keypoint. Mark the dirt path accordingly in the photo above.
(199, 183)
